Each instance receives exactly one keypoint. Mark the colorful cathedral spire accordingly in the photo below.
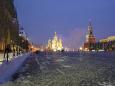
(55, 44)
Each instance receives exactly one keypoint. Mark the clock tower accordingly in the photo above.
(90, 38)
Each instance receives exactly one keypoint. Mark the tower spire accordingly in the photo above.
(90, 29)
(55, 34)
(90, 36)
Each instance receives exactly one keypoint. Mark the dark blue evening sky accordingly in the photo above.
(69, 18)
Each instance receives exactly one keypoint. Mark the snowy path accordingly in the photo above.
(8, 69)
(2, 57)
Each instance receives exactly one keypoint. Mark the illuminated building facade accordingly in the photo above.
(90, 38)
(108, 44)
(111, 38)
(55, 44)
(8, 23)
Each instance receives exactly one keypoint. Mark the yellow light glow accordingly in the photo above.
(55, 44)
(81, 48)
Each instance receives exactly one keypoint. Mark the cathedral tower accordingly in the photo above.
(55, 44)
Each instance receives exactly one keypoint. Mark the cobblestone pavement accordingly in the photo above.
(68, 69)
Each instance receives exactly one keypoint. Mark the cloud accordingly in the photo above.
(74, 39)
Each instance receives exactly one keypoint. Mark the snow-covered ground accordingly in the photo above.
(2, 57)
(66, 69)
(11, 57)
(8, 69)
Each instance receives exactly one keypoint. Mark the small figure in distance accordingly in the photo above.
(7, 51)
(37, 52)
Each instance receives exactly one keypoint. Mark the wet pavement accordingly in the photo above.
(66, 69)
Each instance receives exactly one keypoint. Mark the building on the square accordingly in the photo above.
(90, 38)
(108, 44)
(9, 28)
(55, 44)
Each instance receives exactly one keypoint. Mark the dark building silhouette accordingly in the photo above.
(9, 27)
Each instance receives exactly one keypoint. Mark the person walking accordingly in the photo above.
(14, 52)
(7, 51)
